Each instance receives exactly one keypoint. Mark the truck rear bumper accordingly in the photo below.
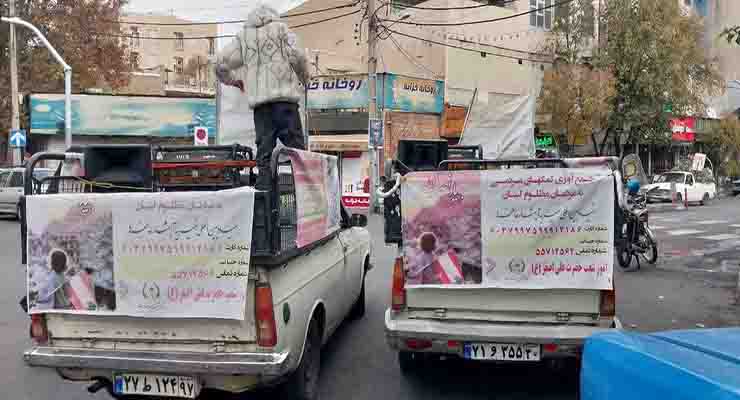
(269, 364)
(398, 329)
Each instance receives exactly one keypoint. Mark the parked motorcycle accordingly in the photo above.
(638, 240)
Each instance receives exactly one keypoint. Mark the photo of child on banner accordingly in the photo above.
(441, 228)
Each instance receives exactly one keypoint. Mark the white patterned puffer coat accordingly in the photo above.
(276, 66)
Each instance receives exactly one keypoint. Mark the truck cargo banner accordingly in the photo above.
(515, 229)
(441, 228)
(152, 255)
(317, 194)
(548, 228)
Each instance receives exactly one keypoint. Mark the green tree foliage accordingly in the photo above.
(656, 57)
(81, 31)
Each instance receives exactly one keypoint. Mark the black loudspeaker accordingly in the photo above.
(422, 155)
(125, 165)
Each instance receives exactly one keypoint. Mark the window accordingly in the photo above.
(134, 60)
(541, 15)
(16, 180)
(179, 65)
(689, 180)
(179, 41)
(135, 40)
(211, 46)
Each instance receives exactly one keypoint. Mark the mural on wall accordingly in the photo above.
(123, 115)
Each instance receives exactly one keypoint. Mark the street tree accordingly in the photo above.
(655, 54)
(575, 94)
(85, 35)
(724, 142)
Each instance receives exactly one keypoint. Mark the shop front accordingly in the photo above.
(354, 160)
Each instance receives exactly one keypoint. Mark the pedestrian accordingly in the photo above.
(276, 67)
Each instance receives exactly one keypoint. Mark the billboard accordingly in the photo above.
(413, 95)
(338, 92)
(682, 129)
(123, 115)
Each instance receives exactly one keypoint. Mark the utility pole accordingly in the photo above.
(15, 153)
(372, 66)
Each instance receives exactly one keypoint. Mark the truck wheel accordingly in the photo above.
(409, 361)
(705, 199)
(303, 384)
(358, 309)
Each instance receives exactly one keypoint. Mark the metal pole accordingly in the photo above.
(372, 66)
(15, 122)
(67, 75)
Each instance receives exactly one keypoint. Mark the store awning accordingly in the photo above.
(338, 142)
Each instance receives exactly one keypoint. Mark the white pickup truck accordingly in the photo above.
(684, 184)
(455, 315)
(294, 303)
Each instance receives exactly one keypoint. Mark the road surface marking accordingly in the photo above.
(657, 227)
(724, 236)
(735, 225)
(710, 222)
(681, 232)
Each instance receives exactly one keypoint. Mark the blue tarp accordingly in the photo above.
(696, 364)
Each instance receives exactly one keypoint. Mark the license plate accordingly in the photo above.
(157, 385)
(502, 352)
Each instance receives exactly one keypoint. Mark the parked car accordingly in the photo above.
(736, 187)
(685, 184)
(11, 187)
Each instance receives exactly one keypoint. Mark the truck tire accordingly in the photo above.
(705, 199)
(303, 384)
(358, 309)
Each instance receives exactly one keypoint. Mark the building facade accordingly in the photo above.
(163, 58)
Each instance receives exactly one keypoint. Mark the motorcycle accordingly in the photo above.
(638, 240)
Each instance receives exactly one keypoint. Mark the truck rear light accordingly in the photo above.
(418, 344)
(550, 348)
(453, 344)
(366, 185)
(398, 293)
(265, 316)
(39, 333)
(608, 307)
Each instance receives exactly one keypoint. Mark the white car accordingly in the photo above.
(293, 307)
(684, 184)
(11, 187)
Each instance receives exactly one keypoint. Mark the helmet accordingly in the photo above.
(633, 186)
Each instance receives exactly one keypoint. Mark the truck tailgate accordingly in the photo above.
(135, 333)
(504, 305)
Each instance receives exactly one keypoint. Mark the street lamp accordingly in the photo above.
(67, 76)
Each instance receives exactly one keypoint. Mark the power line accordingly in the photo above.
(411, 59)
(161, 37)
(325, 20)
(469, 49)
(227, 22)
(491, 4)
(532, 11)
(531, 53)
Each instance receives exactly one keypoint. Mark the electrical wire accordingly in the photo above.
(415, 7)
(325, 20)
(469, 49)
(234, 21)
(531, 53)
(160, 38)
(217, 36)
(410, 58)
(532, 11)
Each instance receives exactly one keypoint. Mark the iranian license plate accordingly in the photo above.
(502, 351)
(156, 385)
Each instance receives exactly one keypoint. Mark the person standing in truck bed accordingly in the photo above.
(275, 67)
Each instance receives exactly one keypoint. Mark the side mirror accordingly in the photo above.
(358, 220)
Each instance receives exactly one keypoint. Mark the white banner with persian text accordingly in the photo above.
(548, 228)
(153, 255)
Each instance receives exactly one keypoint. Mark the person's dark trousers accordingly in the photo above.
(272, 121)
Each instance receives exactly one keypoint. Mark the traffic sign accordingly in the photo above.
(18, 138)
(200, 136)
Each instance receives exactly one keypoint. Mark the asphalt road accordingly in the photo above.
(680, 292)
